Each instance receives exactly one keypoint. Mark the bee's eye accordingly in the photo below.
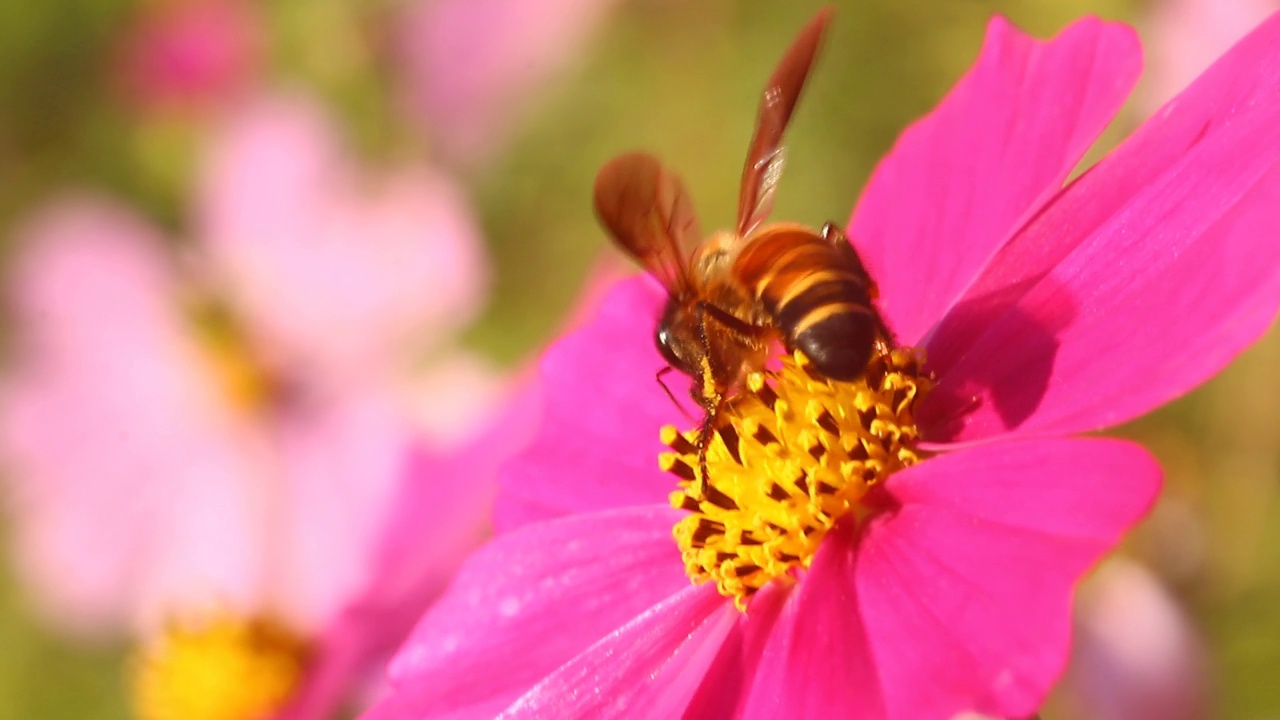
(665, 346)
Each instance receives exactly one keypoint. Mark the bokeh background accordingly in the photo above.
(529, 99)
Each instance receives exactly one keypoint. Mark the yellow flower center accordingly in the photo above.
(221, 668)
(790, 456)
(244, 380)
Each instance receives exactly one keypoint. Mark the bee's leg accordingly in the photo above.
(707, 314)
(712, 396)
(709, 389)
(833, 234)
(709, 395)
(705, 311)
(705, 433)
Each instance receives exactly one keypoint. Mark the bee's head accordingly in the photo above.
(677, 338)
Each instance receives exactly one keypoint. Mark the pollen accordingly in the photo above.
(790, 455)
(218, 668)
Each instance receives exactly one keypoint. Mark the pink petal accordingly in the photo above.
(458, 395)
(648, 668)
(339, 265)
(1140, 281)
(959, 182)
(528, 602)
(598, 444)
(439, 513)
(450, 490)
(963, 592)
(341, 462)
(114, 432)
(726, 684)
(469, 65)
(817, 662)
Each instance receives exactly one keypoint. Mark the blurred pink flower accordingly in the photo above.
(469, 65)
(232, 432)
(190, 54)
(1137, 656)
(1186, 36)
(1045, 312)
(341, 269)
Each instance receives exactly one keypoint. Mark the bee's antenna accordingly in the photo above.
(675, 402)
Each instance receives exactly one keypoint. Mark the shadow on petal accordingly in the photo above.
(1012, 391)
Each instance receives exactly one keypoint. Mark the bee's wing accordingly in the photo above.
(765, 157)
(650, 215)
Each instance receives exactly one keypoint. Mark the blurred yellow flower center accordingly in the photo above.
(222, 668)
(791, 455)
(244, 380)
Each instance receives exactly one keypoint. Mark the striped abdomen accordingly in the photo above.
(817, 294)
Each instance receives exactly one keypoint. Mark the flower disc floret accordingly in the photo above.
(246, 381)
(219, 668)
(790, 457)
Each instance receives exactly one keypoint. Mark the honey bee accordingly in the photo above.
(735, 294)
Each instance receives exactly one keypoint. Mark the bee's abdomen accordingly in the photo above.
(817, 297)
(839, 343)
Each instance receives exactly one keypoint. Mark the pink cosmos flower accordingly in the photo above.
(468, 64)
(231, 434)
(1045, 311)
(1137, 656)
(190, 54)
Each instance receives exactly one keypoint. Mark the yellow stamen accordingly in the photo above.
(790, 456)
(222, 668)
(243, 378)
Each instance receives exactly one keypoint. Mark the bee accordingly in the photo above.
(733, 296)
